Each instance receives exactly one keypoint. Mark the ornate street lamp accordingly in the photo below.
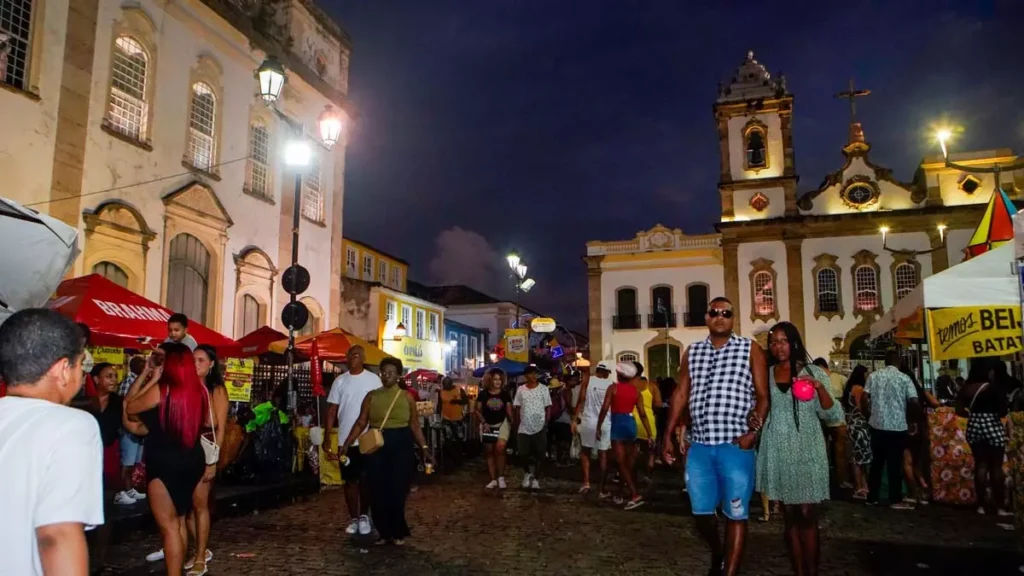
(271, 79)
(331, 123)
(523, 284)
(399, 331)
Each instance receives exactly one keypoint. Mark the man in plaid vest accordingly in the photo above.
(723, 392)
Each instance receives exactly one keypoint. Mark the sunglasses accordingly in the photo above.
(716, 312)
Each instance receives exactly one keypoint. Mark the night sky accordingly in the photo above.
(485, 126)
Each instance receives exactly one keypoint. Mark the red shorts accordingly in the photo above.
(112, 464)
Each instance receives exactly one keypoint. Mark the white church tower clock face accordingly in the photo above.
(758, 173)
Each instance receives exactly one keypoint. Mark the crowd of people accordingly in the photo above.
(741, 419)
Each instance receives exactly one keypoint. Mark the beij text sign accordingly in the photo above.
(973, 331)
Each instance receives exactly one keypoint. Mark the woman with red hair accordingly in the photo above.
(170, 409)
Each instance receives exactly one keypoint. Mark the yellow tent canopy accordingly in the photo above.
(333, 345)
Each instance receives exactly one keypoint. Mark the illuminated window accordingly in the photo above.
(421, 321)
(865, 287)
(202, 148)
(127, 113)
(828, 290)
(313, 198)
(628, 357)
(764, 294)
(433, 327)
(258, 174)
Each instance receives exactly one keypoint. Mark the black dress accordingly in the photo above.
(179, 468)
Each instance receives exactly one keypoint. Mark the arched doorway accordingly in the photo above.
(662, 357)
(188, 274)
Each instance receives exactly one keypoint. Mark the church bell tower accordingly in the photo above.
(754, 114)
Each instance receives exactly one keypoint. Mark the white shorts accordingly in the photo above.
(588, 429)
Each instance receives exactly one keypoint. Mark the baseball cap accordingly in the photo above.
(604, 365)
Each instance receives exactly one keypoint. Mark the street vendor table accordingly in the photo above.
(952, 469)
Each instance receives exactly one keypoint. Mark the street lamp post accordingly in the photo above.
(271, 78)
(518, 274)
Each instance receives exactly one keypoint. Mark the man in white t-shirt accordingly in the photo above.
(588, 409)
(345, 402)
(531, 409)
(51, 456)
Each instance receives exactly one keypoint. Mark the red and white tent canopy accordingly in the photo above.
(120, 318)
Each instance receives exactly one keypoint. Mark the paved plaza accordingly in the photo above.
(459, 529)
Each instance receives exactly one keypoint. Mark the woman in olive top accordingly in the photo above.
(392, 411)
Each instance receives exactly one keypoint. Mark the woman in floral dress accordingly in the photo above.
(792, 465)
(857, 429)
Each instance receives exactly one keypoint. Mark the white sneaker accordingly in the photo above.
(155, 556)
(136, 495)
(492, 485)
(353, 526)
(981, 510)
(526, 480)
(534, 485)
(364, 525)
(1003, 512)
(501, 483)
(123, 499)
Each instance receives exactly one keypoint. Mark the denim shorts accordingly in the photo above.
(131, 449)
(720, 475)
(623, 428)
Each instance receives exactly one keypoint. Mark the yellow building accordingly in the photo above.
(422, 321)
(364, 262)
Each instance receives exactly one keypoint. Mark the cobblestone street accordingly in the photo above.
(459, 529)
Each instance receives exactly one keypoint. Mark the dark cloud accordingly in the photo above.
(466, 257)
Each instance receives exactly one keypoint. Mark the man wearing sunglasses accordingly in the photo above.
(723, 392)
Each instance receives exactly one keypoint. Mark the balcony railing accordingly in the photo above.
(626, 322)
(694, 319)
(661, 320)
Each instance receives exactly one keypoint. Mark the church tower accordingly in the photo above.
(754, 113)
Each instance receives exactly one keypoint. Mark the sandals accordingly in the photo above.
(198, 569)
(860, 495)
(604, 495)
(585, 489)
(635, 502)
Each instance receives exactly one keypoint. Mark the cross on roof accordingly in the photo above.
(852, 94)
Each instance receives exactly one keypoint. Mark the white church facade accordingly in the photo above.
(830, 260)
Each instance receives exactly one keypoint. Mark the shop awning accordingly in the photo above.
(257, 342)
(121, 318)
(986, 280)
(333, 346)
(37, 252)
(510, 367)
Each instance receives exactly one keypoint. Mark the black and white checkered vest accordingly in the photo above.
(721, 390)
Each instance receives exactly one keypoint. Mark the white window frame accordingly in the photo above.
(202, 128)
(407, 318)
(861, 287)
(390, 313)
(628, 356)
(368, 267)
(421, 324)
(905, 283)
(464, 345)
(382, 271)
(128, 110)
(20, 41)
(766, 305)
(473, 348)
(832, 289)
(396, 277)
(432, 328)
(257, 175)
(312, 194)
(352, 262)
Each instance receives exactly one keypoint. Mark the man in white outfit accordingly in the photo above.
(588, 408)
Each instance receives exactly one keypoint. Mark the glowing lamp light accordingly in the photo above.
(943, 136)
(400, 331)
(330, 122)
(513, 260)
(884, 230)
(521, 270)
(494, 357)
(297, 154)
(271, 78)
(942, 232)
(527, 284)
(454, 344)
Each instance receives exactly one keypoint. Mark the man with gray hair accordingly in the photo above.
(51, 456)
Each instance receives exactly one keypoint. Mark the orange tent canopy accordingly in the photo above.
(333, 346)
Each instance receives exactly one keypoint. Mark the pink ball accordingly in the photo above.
(803, 389)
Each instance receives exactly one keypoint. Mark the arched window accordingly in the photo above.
(202, 127)
(111, 272)
(313, 326)
(188, 276)
(251, 314)
(764, 294)
(662, 313)
(906, 279)
(626, 316)
(756, 156)
(697, 302)
(312, 197)
(828, 291)
(128, 112)
(258, 175)
(865, 287)
(628, 357)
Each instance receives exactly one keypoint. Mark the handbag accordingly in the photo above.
(372, 440)
(210, 448)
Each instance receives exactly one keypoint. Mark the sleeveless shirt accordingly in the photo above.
(721, 390)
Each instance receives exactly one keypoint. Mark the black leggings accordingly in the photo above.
(988, 472)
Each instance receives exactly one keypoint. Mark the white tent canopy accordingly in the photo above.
(35, 253)
(986, 280)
